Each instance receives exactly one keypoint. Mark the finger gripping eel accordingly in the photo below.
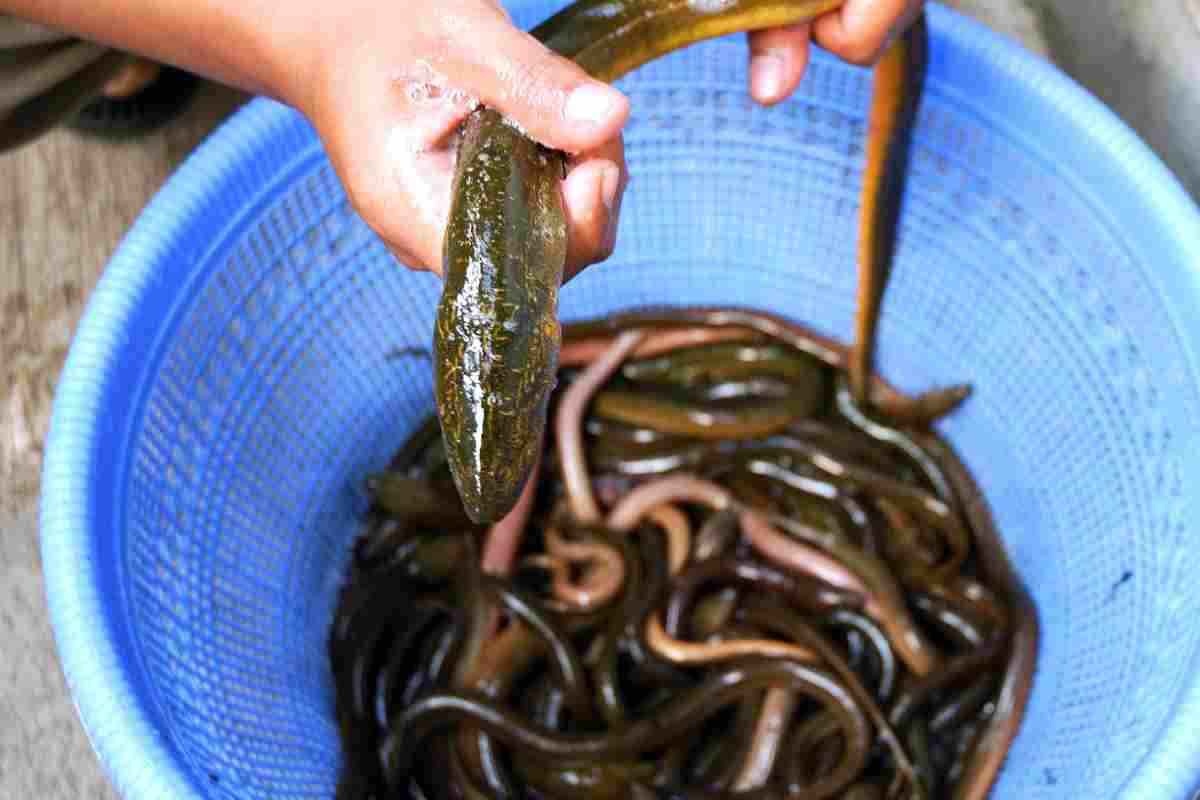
(497, 335)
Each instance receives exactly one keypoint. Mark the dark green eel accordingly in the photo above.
(497, 335)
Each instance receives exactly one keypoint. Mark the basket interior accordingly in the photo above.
(282, 376)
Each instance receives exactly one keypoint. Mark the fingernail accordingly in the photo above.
(591, 103)
(766, 75)
(609, 182)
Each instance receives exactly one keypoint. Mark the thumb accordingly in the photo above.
(553, 99)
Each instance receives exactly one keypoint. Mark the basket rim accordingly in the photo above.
(142, 762)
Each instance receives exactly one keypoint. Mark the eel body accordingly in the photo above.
(497, 334)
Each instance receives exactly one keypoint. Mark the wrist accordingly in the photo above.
(284, 46)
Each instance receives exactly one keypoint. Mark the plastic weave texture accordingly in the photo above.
(245, 361)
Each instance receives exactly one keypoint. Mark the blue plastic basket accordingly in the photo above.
(232, 382)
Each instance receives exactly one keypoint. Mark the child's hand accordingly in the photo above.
(859, 32)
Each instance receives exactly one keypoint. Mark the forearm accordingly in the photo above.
(255, 45)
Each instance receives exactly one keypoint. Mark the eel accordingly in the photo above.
(497, 335)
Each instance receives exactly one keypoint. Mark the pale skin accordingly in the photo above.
(386, 84)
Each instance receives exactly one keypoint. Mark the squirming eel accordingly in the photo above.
(497, 334)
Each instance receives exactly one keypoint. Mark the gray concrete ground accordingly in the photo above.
(43, 751)
(1141, 56)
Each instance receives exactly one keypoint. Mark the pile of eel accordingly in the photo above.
(497, 333)
(738, 564)
(725, 580)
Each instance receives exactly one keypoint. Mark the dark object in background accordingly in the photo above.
(159, 102)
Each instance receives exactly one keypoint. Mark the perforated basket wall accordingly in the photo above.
(237, 373)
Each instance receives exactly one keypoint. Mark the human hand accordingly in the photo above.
(387, 106)
(859, 32)
(386, 84)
